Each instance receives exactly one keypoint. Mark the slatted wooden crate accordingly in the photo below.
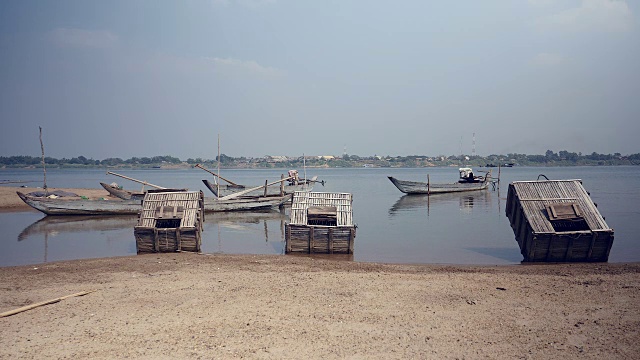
(556, 221)
(170, 221)
(321, 223)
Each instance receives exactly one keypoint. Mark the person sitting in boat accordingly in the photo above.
(293, 174)
(466, 176)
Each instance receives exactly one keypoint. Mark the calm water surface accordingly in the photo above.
(395, 228)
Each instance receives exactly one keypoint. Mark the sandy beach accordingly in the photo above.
(183, 305)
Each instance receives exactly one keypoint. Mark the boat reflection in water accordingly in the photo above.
(465, 201)
(55, 225)
(244, 232)
(55, 238)
(77, 237)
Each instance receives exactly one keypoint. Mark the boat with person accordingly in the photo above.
(468, 181)
(293, 184)
(80, 206)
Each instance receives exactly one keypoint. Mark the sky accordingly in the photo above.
(290, 77)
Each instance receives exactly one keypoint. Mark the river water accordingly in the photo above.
(467, 228)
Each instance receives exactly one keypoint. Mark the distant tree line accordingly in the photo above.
(550, 158)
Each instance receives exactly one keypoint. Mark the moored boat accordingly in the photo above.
(467, 182)
(228, 189)
(121, 193)
(61, 206)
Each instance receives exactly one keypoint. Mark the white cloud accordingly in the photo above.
(83, 38)
(229, 64)
(591, 15)
(548, 59)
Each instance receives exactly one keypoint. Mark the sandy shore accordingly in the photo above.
(165, 306)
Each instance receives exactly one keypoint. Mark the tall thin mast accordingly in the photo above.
(217, 182)
(44, 168)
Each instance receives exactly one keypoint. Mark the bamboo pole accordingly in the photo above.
(136, 180)
(282, 185)
(239, 193)
(214, 174)
(218, 182)
(42, 303)
(44, 168)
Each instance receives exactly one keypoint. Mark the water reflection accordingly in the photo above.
(244, 232)
(465, 201)
(54, 225)
(55, 238)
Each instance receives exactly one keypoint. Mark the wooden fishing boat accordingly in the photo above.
(294, 183)
(245, 203)
(122, 193)
(467, 182)
(61, 206)
(228, 189)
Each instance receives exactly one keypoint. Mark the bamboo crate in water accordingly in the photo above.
(321, 223)
(556, 221)
(170, 221)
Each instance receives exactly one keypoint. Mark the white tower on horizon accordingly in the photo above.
(473, 150)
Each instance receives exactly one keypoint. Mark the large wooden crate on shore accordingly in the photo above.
(321, 223)
(556, 221)
(170, 221)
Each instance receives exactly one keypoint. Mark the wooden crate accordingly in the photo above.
(321, 223)
(556, 221)
(311, 239)
(170, 221)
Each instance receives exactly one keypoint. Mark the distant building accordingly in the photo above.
(276, 158)
(326, 157)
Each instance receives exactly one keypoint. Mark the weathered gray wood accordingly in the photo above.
(214, 174)
(416, 187)
(534, 209)
(123, 194)
(129, 207)
(224, 190)
(42, 303)
(136, 180)
(240, 193)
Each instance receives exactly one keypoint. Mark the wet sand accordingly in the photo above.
(290, 307)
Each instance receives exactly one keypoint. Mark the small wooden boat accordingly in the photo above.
(61, 206)
(122, 193)
(246, 203)
(294, 184)
(228, 189)
(467, 182)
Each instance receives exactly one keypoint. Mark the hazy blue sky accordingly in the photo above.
(286, 77)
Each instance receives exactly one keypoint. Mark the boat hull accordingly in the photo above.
(123, 194)
(226, 189)
(415, 187)
(129, 207)
(82, 206)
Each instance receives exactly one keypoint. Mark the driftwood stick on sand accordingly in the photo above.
(42, 303)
